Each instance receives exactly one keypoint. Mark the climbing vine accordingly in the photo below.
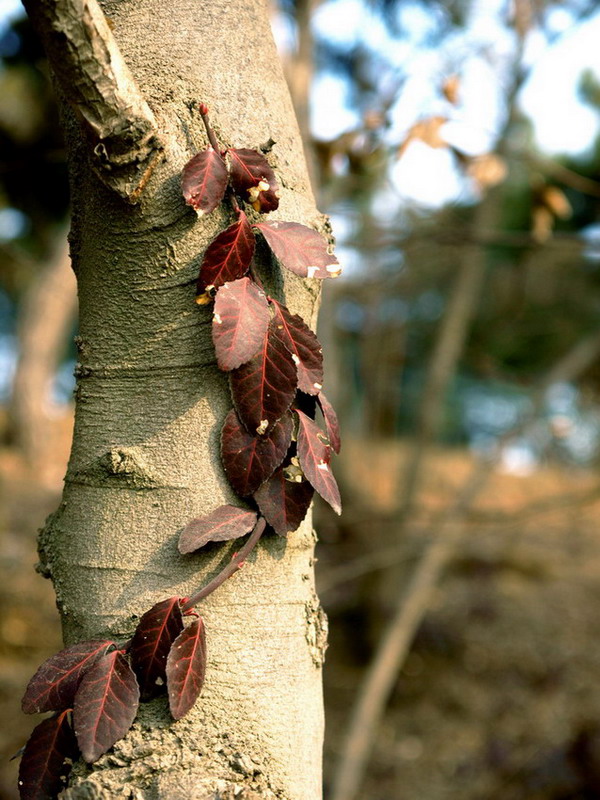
(274, 454)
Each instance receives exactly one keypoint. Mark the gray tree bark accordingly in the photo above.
(150, 403)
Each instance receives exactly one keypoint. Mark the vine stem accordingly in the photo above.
(209, 131)
(214, 143)
(235, 564)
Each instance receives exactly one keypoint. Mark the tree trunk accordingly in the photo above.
(150, 403)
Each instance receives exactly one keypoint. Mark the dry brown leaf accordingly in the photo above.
(556, 201)
(426, 131)
(487, 170)
(450, 89)
(542, 221)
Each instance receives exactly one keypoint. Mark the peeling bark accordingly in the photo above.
(150, 404)
(125, 145)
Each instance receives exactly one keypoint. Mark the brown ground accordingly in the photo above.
(29, 629)
(500, 698)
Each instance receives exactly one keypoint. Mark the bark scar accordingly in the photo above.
(127, 465)
(317, 629)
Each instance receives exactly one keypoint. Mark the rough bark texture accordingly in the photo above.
(150, 404)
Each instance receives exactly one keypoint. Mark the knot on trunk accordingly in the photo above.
(123, 466)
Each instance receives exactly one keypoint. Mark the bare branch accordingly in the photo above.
(99, 86)
(413, 604)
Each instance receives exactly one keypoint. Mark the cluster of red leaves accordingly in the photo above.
(272, 449)
(95, 688)
(273, 452)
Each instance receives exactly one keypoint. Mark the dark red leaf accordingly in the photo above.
(53, 686)
(263, 388)
(249, 460)
(221, 525)
(43, 767)
(157, 630)
(240, 321)
(254, 180)
(284, 499)
(304, 346)
(331, 422)
(228, 256)
(105, 705)
(186, 666)
(314, 454)
(300, 249)
(204, 181)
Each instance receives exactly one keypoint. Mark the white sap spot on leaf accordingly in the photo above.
(317, 386)
(334, 270)
(322, 465)
(264, 424)
(311, 271)
(217, 318)
(295, 359)
(200, 212)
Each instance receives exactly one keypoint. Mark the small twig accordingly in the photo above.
(231, 568)
(212, 138)
(233, 200)
(565, 175)
(392, 556)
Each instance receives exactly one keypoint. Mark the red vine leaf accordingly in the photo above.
(240, 321)
(306, 350)
(302, 250)
(253, 179)
(331, 422)
(228, 256)
(105, 705)
(186, 666)
(204, 181)
(249, 460)
(43, 767)
(263, 388)
(156, 631)
(53, 686)
(221, 525)
(314, 454)
(284, 499)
